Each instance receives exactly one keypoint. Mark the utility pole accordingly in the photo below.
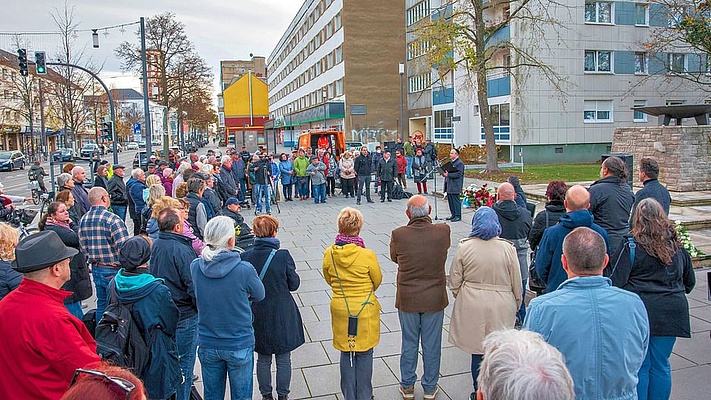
(146, 106)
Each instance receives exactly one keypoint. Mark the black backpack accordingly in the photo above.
(118, 337)
(397, 193)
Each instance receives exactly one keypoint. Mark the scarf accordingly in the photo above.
(52, 221)
(343, 240)
(485, 224)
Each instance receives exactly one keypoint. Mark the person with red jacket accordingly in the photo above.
(401, 162)
(42, 343)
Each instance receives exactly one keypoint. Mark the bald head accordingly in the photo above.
(506, 191)
(418, 207)
(96, 196)
(577, 198)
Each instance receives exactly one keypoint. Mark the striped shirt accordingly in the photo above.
(101, 234)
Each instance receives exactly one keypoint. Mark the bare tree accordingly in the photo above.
(470, 35)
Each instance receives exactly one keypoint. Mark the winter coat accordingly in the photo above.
(227, 180)
(167, 184)
(430, 152)
(548, 264)
(101, 181)
(212, 202)
(81, 199)
(455, 180)
(363, 165)
(360, 276)
(278, 327)
(171, 255)
(238, 170)
(117, 191)
(401, 162)
(420, 168)
(318, 172)
(347, 168)
(661, 287)
(554, 210)
(375, 160)
(486, 284)
(156, 316)
(80, 282)
(9, 278)
(224, 288)
(331, 165)
(611, 201)
(515, 226)
(300, 165)
(135, 192)
(241, 228)
(197, 215)
(387, 169)
(420, 251)
(286, 169)
(262, 171)
(655, 190)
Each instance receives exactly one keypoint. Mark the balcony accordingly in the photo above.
(442, 95)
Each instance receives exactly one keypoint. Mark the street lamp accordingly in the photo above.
(324, 95)
(401, 70)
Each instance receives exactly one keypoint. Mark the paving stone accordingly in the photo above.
(314, 285)
(691, 383)
(678, 362)
(389, 345)
(315, 298)
(698, 325)
(309, 355)
(308, 314)
(382, 375)
(391, 320)
(456, 386)
(323, 380)
(696, 351)
(319, 330)
(457, 362)
(310, 274)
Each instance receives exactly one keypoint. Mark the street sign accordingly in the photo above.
(457, 118)
(137, 132)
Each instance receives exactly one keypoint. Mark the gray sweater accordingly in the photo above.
(319, 177)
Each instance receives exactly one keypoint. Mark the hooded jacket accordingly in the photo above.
(548, 263)
(171, 255)
(224, 288)
(515, 226)
(135, 192)
(278, 327)
(611, 201)
(157, 317)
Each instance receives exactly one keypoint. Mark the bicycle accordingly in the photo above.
(37, 192)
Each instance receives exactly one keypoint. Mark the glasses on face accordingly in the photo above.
(123, 384)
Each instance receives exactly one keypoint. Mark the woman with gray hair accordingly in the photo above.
(486, 284)
(225, 286)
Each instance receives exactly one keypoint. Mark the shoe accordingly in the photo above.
(323, 201)
(472, 396)
(357, 203)
(456, 219)
(421, 192)
(425, 192)
(371, 201)
(408, 392)
(433, 394)
(390, 200)
(382, 200)
(267, 397)
(450, 217)
(283, 397)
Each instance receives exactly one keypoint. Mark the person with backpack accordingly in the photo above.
(36, 173)
(278, 328)
(225, 285)
(155, 315)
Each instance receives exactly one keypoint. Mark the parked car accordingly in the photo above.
(140, 160)
(110, 148)
(10, 160)
(132, 146)
(89, 150)
(64, 154)
(142, 144)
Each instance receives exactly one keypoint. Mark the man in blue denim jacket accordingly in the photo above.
(602, 331)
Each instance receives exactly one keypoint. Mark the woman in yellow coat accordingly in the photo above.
(354, 274)
(486, 284)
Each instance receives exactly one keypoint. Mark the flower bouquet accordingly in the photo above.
(685, 240)
(475, 197)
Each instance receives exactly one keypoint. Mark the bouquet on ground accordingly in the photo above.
(474, 196)
(685, 240)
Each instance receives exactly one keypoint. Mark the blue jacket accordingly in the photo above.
(278, 327)
(224, 288)
(284, 168)
(548, 264)
(602, 331)
(157, 317)
(135, 192)
(171, 255)
(9, 278)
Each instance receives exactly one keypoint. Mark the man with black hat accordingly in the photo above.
(117, 192)
(42, 343)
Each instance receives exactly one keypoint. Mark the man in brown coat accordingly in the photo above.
(420, 250)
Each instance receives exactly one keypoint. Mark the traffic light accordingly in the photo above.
(108, 130)
(40, 63)
(22, 61)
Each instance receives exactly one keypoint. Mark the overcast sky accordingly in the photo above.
(219, 29)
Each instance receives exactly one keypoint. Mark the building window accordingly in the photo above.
(418, 83)
(598, 61)
(639, 116)
(597, 111)
(677, 63)
(641, 14)
(599, 12)
(676, 16)
(417, 12)
(443, 129)
(500, 114)
(337, 22)
(417, 48)
(339, 54)
(640, 63)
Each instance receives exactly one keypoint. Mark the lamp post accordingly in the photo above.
(324, 95)
(401, 70)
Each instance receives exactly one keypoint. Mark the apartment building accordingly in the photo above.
(336, 66)
(603, 69)
(232, 70)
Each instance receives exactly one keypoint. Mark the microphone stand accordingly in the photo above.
(433, 174)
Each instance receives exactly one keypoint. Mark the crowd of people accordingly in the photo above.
(201, 283)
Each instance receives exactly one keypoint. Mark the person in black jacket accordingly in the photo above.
(156, 314)
(453, 183)
(278, 328)
(555, 207)
(363, 166)
(611, 200)
(100, 178)
(520, 194)
(118, 192)
(57, 220)
(660, 274)
(171, 256)
(649, 174)
(387, 171)
(9, 278)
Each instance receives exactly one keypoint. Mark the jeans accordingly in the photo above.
(357, 375)
(75, 309)
(218, 365)
(186, 336)
(386, 187)
(283, 373)
(408, 171)
(263, 190)
(476, 364)
(102, 276)
(455, 205)
(521, 314)
(242, 189)
(320, 193)
(655, 379)
(120, 211)
(302, 186)
(416, 327)
(363, 186)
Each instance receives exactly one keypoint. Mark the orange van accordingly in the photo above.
(323, 139)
